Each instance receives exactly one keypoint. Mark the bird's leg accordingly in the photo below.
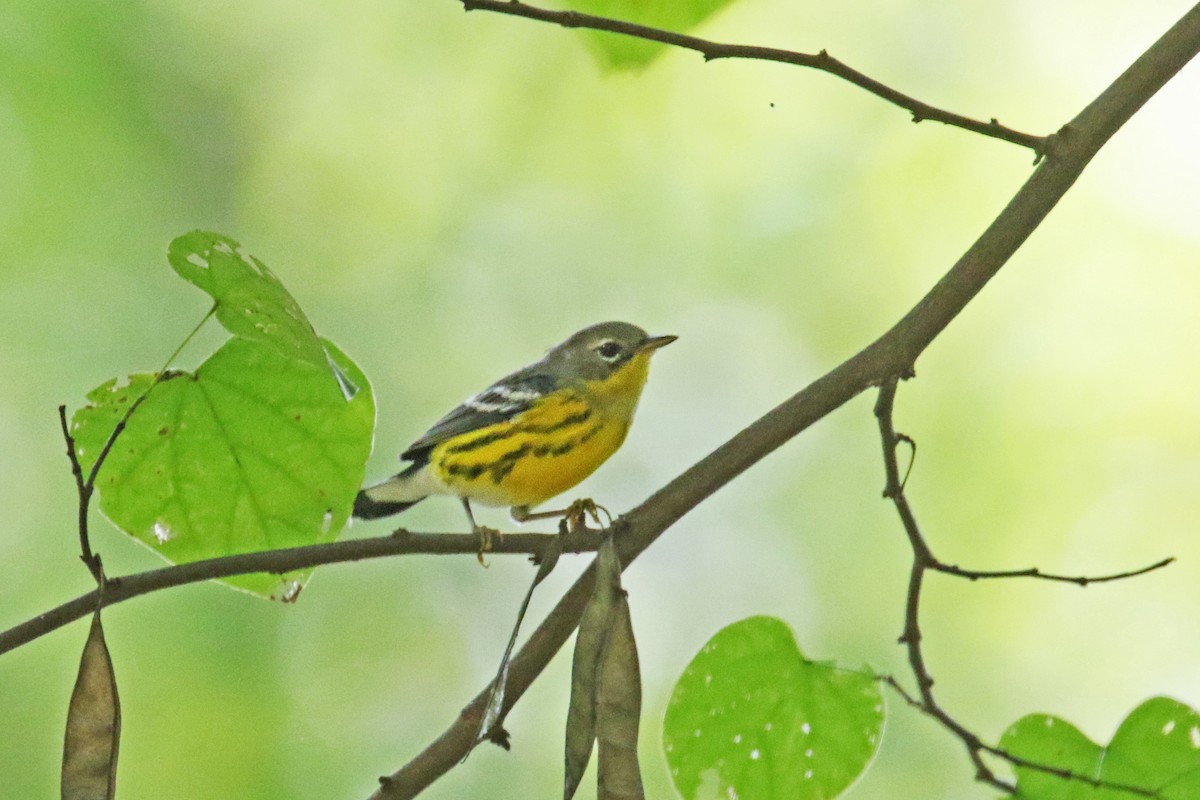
(487, 536)
(574, 517)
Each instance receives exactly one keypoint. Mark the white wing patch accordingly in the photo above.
(501, 399)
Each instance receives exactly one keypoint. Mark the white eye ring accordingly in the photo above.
(608, 350)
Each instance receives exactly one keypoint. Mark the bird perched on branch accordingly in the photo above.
(531, 435)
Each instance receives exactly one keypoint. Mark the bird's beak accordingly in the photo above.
(655, 342)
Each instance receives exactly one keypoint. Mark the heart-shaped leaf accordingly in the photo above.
(752, 718)
(1156, 749)
(254, 450)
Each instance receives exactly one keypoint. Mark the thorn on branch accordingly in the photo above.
(903, 437)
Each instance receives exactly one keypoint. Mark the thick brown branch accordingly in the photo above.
(716, 50)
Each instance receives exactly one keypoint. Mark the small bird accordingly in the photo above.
(531, 435)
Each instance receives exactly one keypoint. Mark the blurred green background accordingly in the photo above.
(448, 195)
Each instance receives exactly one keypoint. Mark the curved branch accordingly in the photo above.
(892, 355)
(716, 50)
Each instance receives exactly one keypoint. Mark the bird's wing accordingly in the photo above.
(503, 400)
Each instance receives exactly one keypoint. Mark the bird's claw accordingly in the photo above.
(576, 515)
(487, 540)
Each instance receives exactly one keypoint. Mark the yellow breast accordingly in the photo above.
(546, 450)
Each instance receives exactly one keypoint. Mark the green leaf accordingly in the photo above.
(1156, 748)
(618, 51)
(752, 718)
(252, 451)
(251, 302)
(1053, 742)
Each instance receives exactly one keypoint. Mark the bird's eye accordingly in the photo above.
(609, 350)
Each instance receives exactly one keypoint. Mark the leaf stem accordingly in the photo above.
(85, 487)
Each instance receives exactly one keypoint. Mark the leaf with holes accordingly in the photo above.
(252, 451)
(250, 301)
(617, 51)
(1156, 749)
(752, 718)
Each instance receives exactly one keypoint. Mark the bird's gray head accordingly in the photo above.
(598, 351)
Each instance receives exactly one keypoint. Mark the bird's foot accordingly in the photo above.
(487, 540)
(576, 515)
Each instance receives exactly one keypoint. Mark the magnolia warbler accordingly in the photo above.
(531, 435)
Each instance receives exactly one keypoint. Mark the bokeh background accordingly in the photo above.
(449, 194)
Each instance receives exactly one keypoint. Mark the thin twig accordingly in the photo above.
(122, 423)
(1069, 775)
(83, 491)
(716, 50)
(402, 542)
(491, 728)
(924, 561)
(898, 688)
(1015, 760)
(1034, 572)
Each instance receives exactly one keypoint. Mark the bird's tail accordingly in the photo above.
(392, 496)
(366, 508)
